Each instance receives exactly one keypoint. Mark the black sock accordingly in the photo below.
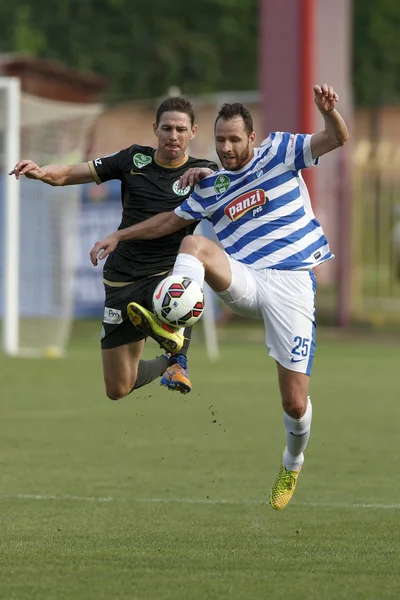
(188, 336)
(148, 370)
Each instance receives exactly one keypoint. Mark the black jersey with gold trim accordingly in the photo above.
(147, 188)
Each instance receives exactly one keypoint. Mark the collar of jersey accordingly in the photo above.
(161, 164)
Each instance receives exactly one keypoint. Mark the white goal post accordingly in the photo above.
(12, 102)
(39, 223)
(208, 319)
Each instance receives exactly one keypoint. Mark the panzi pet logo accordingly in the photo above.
(240, 206)
(141, 160)
(221, 184)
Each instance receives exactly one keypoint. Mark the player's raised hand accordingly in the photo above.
(27, 168)
(107, 246)
(193, 176)
(325, 98)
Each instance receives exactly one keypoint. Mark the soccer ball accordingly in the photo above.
(178, 301)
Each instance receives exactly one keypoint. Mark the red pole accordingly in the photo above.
(307, 54)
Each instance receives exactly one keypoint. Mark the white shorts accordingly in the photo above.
(285, 300)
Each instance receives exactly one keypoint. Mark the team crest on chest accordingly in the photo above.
(141, 160)
(221, 184)
(177, 190)
(249, 201)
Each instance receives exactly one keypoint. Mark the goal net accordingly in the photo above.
(39, 222)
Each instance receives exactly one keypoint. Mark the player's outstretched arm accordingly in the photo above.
(54, 174)
(155, 227)
(335, 133)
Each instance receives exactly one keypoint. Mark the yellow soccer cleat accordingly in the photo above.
(150, 325)
(283, 488)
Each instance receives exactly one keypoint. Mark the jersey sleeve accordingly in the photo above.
(193, 207)
(213, 166)
(108, 167)
(202, 163)
(293, 150)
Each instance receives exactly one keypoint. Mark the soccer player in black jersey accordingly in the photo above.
(149, 185)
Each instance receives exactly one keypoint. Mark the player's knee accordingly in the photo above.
(192, 244)
(116, 392)
(294, 405)
(200, 247)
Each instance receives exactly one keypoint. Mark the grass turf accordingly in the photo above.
(163, 496)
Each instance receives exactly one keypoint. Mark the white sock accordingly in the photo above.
(297, 435)
(187, 265)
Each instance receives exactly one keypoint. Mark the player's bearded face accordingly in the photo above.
(174, 132)
(233, 144)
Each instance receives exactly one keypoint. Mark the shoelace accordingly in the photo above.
(288, 481)
(181, 360)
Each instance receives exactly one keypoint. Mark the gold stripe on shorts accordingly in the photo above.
(117, 284)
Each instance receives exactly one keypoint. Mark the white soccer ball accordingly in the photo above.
(178, 301)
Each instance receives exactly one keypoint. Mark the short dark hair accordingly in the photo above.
(235, 109)
(178, 104)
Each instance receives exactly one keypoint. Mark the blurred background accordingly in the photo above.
(91, 76)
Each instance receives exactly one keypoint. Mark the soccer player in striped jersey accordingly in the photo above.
(271, 241)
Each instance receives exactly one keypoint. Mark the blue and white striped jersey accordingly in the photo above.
(262, 213)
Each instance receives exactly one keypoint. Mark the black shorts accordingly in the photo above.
(117, 330)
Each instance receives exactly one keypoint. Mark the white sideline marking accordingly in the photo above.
(48, 497)
(345, 505)
(262, 502)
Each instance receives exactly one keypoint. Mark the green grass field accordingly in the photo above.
(164, 497)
